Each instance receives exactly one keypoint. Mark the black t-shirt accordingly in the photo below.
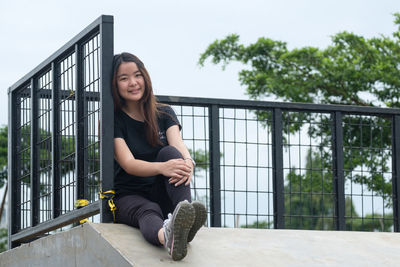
(133, 132)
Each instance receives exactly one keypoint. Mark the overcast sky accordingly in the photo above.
(170, 35)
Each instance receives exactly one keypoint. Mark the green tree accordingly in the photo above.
(353, 70)
(339, 74)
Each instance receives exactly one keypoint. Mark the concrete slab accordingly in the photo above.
(257, 247)
(121, 245)
(80, 246)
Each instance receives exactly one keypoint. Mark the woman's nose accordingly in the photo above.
(132, 81)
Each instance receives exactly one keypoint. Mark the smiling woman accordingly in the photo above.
(153, 165)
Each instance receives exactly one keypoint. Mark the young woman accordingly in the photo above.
(153, 166)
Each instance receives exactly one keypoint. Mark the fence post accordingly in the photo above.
(14, 212)
(277, 163)
(81, 160)
(56, 144)
(215, 161)
(338, 172)
(106, 114)
(396, 170)
(35, 181)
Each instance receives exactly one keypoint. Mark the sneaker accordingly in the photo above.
(176, 230)
(200, 220)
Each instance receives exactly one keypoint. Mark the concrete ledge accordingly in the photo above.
(257, 247)
(121, 245)
(80, 246)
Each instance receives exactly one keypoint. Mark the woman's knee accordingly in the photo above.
(168, 152)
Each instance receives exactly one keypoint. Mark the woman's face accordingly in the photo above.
(130, 82)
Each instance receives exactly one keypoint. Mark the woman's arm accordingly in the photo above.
(175, 168)
(174, 139)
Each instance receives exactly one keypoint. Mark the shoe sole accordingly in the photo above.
(201, 217)
(184, 220)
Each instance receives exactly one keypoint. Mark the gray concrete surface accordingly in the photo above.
(123, 245)
(80, 246)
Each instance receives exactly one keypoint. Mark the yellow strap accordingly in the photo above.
(112, 208)
(79, 203)
(83, 221)
(109, 195)
(106, 194)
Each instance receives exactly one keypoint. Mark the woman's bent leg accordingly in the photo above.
(169, 195)
(137, 211)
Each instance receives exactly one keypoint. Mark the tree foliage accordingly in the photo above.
(353, 70)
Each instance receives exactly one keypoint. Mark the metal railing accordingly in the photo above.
(55, 156)
(292, 165)
(259, 164)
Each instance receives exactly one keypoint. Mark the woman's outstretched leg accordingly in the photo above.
(139, 212)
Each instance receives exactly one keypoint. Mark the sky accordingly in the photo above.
(169, 36)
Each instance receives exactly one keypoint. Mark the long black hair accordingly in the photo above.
(148, 103)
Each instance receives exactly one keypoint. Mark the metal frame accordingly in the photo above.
(279, 209)
(396, 171)
(215, 181)
(338, 170)
(103, 26)
(336, 111)
(106, 115)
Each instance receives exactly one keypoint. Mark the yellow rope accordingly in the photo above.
(79, 203)
(109, 195)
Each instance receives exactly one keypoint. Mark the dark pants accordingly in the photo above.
(147, 211)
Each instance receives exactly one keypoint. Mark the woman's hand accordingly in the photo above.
(175, 139)
(178, 170)
(188, 178)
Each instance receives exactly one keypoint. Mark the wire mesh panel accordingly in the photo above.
(91, 83)
(54, 132)
(23, 155)
(67, 132)
(336, 169)
(368, 173)
(246, 168)
(194, 121)
(308, 179)
(44, 146)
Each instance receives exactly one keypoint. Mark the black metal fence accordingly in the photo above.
(55, 132)
(259, 164)
(291, 165)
